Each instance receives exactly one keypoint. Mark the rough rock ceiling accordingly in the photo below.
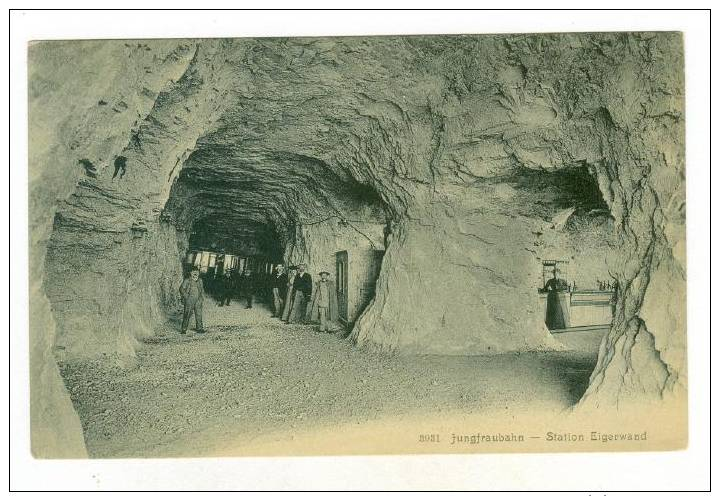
(311, 126)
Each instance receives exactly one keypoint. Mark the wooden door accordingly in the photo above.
(341, 279)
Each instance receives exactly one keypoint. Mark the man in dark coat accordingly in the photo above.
(303, 291)
(246, 285)
(227, 288)
(279, 287)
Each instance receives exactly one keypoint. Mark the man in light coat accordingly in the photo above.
(324, 307)
(192, 293)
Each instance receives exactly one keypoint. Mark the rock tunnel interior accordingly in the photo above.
(466, 171)
(302, 210)
(296, 211)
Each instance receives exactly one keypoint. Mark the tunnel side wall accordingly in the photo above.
(76, 114)
(456, 288)
(114, 259)
(316, 245)
(109, 295)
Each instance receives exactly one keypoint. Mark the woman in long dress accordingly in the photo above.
(556, 314)
(290, 295)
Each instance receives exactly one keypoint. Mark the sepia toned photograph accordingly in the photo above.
(357, 245)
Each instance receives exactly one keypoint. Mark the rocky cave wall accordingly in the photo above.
(355, 226)
(92, 238)
(423, 144)
(113, 263)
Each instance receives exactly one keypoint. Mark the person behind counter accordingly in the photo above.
(556, 313)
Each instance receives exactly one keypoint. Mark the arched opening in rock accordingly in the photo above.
(574, 252)
(252, 214)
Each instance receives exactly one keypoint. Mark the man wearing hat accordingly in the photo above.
(324, 306)
(192, 292)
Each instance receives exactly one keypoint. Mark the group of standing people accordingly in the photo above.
(235, 284)
(295, 299)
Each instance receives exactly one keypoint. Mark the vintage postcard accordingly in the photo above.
(357, 245)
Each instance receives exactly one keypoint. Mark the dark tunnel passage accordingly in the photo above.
(243, 219)
(222, 232)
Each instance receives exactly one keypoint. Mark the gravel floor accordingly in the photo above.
(251, 374)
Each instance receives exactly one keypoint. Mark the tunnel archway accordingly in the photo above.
(237, 205)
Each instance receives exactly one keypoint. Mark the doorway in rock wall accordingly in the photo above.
(356, 272)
